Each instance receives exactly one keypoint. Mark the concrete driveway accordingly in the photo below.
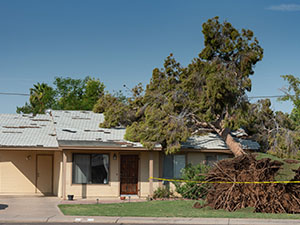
(21, 207)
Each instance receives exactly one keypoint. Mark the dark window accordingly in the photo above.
(172, 166)
(90, 169)
(212, 159)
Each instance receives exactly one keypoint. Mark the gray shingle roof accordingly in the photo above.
(27, 131)
(81, 128)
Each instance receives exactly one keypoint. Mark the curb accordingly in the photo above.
(148, 220)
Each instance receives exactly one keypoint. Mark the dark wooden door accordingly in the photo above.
(129, 174)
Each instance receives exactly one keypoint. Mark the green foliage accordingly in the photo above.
(178, 99)
(162, 192)
(69, 94)
(292, 93)
(285, 144)
(119, 110)
(41, 98)
(77, 94)
(192, 190)
(275, 131)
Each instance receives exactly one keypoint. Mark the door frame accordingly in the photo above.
(36, 172)
(138, 175)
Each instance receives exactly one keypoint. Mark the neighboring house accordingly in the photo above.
(66, 153)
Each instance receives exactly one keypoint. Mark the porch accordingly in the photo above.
(109, 173)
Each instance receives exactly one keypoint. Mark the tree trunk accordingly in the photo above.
(234, 146)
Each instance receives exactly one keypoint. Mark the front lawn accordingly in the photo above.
(176, 208)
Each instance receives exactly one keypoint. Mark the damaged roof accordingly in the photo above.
(81, 128)
(18, 130)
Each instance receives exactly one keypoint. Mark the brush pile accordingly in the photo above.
(264, 198)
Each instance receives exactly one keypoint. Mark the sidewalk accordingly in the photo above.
(44, 210)
(143, 220)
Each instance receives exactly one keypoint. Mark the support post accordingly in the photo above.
(64, 176)
(151, 173)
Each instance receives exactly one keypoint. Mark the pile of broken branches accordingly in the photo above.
(264, 198)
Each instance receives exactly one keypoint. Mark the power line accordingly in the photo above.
(250, 97)
(267, 96)
(10, 93)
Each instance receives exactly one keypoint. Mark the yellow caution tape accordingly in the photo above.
(227, 182)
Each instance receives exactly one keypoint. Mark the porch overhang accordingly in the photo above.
(96, 145)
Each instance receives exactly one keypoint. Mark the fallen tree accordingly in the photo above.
(178, 100)
(263, 197)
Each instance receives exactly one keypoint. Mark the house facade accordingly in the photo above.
(66, 153)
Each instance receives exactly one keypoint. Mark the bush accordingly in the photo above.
(192, 190)
(163, 192)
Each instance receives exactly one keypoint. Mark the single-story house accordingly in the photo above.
(66, 153)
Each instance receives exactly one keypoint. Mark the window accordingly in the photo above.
(212, 159)
(90, 169)
(173, 164)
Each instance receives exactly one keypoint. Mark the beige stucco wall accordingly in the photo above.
(18, 172)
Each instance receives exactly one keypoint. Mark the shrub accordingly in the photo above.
(163, 192)
(192, 190)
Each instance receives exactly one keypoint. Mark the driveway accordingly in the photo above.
(21, 207)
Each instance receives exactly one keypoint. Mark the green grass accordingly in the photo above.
(286, 172)
(176, 208)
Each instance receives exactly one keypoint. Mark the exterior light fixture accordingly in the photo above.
(114, 156)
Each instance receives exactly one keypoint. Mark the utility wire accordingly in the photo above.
(250, 97)
(8, 93)
(270, 96)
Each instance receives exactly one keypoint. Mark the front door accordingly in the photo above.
(129, 174)
(44, 174)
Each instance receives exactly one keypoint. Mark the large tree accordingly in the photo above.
(67, 94)
(179, 101)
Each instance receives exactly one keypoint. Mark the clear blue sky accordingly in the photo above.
(120, 42)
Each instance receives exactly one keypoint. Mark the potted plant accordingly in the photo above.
(70, 197)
